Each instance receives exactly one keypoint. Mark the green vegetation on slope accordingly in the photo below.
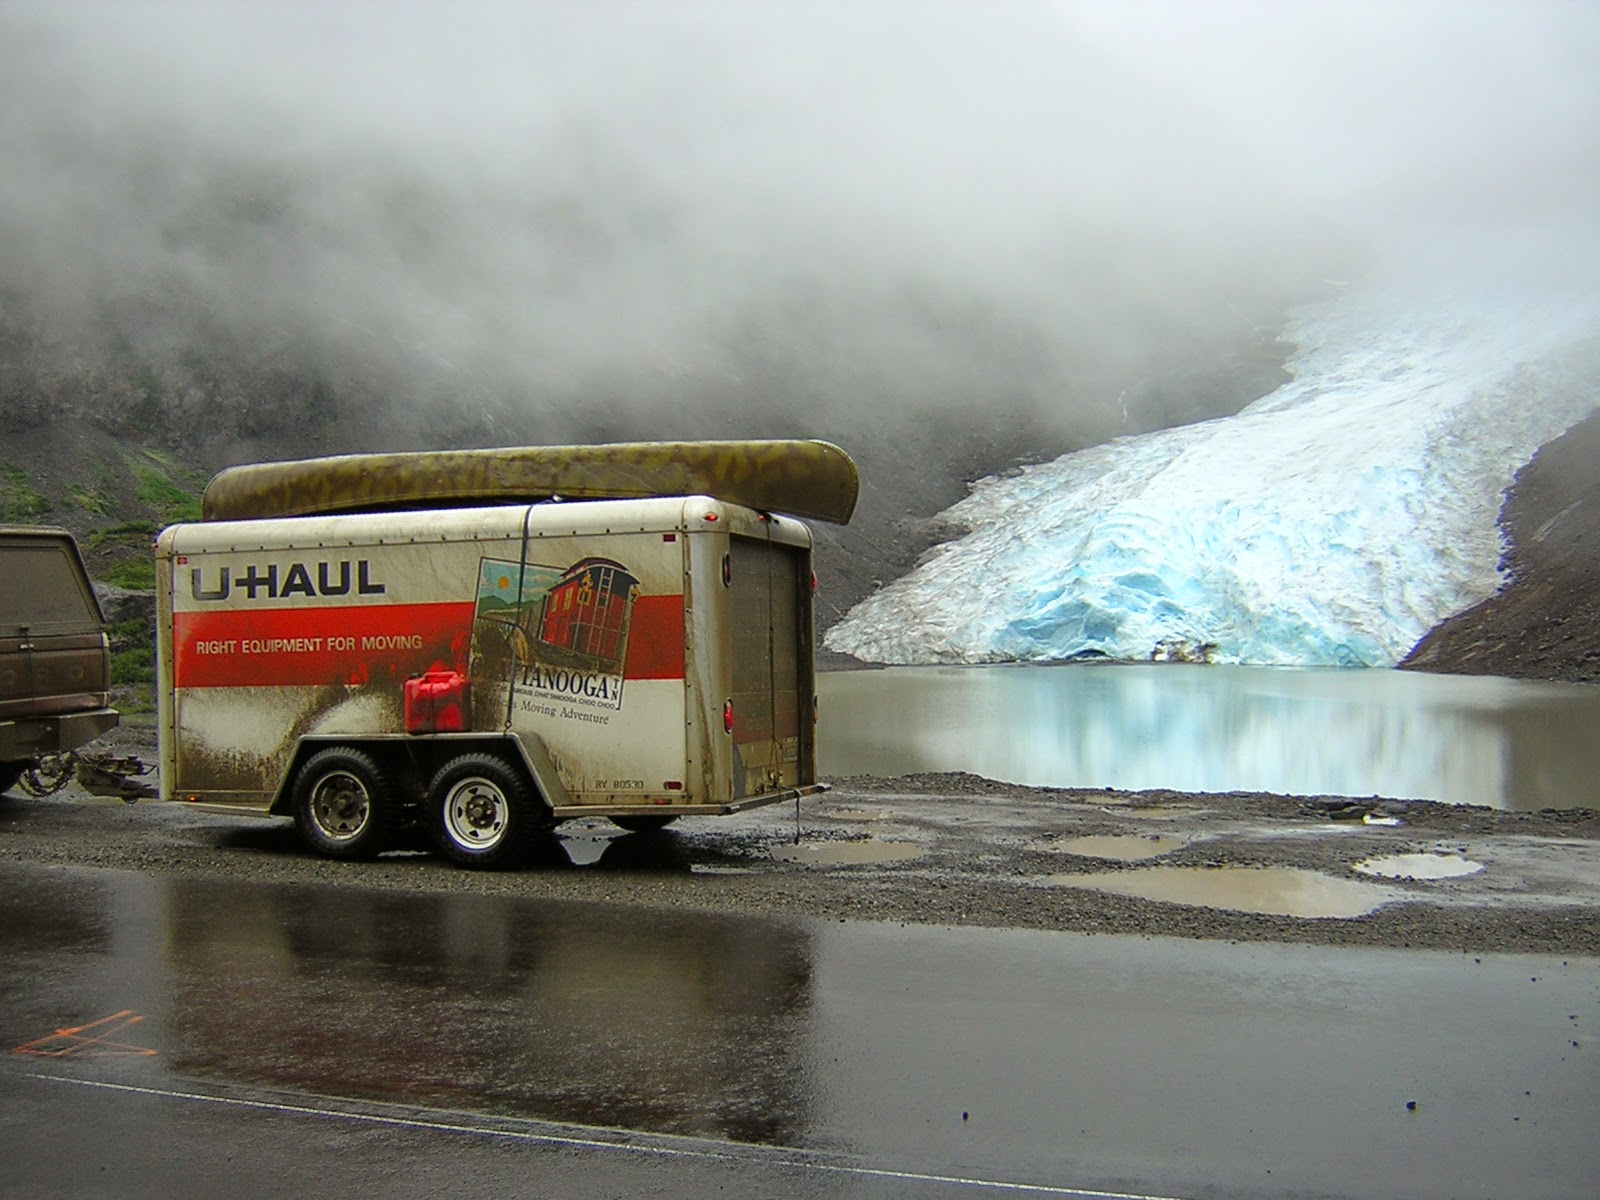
(171, 490)
(136, 663)
(133, 534)
(135, 574)
(89, 500)
(121, 554)
(133, 664)
(19, 503)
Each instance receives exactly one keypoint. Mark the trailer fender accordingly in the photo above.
(536, 755)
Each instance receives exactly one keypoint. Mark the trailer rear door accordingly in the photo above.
(771, 674)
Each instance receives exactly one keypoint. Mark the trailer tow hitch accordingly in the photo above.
(96, 773)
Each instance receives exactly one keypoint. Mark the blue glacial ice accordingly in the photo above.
(1330, 523)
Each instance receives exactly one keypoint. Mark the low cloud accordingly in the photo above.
(594, 218)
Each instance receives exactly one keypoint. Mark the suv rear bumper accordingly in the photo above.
(31, 737)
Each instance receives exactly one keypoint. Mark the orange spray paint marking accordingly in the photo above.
(88, 1041)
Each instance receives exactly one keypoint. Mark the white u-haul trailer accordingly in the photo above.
(487, 670)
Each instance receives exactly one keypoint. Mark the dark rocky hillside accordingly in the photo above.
(1545, 623)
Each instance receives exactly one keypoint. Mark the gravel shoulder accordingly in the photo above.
(959, 850)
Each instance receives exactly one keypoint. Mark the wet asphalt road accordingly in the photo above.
(251, 1039)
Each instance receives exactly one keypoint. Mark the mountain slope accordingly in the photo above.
(1545, 623)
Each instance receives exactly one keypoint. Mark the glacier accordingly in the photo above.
(1330, 523)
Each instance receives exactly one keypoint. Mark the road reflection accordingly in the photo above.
(690, 1024)
(1120, 1064)
(642, 853)
(72, 917)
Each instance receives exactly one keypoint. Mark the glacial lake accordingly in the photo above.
(1130, 726)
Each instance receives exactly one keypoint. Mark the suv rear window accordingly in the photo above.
(40, 587)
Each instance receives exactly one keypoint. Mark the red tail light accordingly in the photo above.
(727, 717)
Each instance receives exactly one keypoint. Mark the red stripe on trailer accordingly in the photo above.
(355, 645)
(655, 639)
(278, 647)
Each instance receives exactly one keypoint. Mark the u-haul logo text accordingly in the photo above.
(338, 577)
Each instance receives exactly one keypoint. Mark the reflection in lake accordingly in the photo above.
(567, 1012)
(1461, 740)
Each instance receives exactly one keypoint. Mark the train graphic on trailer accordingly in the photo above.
(489, 642)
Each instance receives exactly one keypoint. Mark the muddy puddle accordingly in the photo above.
(1131, 847)
(640, 852)
(1419, 866)
(584, 851)
(833, 854)
(1275, 891)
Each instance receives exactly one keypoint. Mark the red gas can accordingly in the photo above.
(436, 702)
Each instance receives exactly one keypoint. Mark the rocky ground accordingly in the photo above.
(958, 850)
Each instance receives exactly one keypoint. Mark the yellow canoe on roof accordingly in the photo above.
(810, 479)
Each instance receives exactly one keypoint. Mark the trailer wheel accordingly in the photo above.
(483, 811)
(643, 823)
(343, 803)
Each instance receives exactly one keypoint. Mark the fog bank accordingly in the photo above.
(583, 220)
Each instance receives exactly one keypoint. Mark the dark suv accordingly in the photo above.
(55, 658)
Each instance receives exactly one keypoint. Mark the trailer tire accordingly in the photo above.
(344, 804)
(483, 811)
(643, 823)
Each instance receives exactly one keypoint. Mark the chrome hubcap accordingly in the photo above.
(340, 805)
(475, 813)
